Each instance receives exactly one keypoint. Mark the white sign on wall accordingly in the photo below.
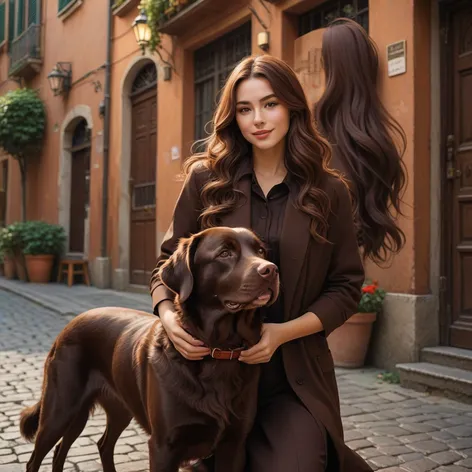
(175, 153)
(396, 58)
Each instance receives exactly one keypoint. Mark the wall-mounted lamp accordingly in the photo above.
(60, 78)
(142, 30)
(167, 72)
(263, 40)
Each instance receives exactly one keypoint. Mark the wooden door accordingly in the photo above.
(79, 201)
(458, 174)
(143, 186)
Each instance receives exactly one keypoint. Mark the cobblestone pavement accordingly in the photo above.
(394, 428)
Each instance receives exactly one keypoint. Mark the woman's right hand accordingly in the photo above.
(190, 348)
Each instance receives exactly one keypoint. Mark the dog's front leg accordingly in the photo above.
(230, 454)
(162, 458)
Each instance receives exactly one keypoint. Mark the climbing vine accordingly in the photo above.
(158, 13)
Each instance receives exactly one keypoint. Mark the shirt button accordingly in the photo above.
(300, 380)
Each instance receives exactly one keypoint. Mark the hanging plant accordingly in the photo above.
(158, 13)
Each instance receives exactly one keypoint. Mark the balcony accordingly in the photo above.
(179, 17)
(123, 7)
(25, 53)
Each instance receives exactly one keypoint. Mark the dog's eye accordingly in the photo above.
(224, 254)
(261, 252)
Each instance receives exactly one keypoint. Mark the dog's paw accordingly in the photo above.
(195, 465)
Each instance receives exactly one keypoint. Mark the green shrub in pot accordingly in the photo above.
(41, 243)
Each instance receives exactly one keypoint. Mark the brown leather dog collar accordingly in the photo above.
(229, 355)
(222, 354)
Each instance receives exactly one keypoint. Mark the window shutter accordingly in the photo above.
(33, 12)
(2, 21)
(64, 3)
(20, 24)
(11, 21)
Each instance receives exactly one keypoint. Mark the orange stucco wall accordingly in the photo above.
(403, 95)
(64, 40)
(81, 39)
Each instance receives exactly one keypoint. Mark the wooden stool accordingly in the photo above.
(67, 266)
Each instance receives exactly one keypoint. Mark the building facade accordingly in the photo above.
(159, 105)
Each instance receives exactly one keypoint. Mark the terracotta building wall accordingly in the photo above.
(65, 39)
(402, 95)
(81, 39)
(14, 193)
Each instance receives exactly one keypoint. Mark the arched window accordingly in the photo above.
(146, 79)
(81, 136)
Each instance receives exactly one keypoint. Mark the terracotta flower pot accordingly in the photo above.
(9, 267)
(21, 267)
(39, 268)
(349, 342)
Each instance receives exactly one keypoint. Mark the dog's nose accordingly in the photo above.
(267, 270)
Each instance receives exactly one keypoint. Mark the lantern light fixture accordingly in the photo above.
(142, 31)
(60, 78)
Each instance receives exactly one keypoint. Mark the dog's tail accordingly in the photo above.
(29, 421)
(29, 417)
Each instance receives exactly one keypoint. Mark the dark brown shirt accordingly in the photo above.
(267, 218)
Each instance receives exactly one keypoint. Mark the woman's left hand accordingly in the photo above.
(262, 352)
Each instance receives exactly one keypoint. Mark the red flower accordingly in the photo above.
(369, 289)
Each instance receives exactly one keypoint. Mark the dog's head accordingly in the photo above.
(222, 266)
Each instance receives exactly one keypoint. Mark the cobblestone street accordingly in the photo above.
(394, 428)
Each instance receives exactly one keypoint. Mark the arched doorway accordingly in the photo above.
(80, 189)
(142, 180)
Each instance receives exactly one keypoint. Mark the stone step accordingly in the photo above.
(443, 380)
(448, 356)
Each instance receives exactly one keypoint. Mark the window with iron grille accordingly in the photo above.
(322, 15)
(212, 64)
(2, 21)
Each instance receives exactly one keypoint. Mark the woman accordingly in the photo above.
(367, 142)
(265, 169)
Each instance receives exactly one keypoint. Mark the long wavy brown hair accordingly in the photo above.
(306, 152)
(368, 142)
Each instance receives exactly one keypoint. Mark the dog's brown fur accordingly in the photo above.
(123, 361)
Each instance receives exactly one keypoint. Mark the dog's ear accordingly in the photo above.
(176, 272)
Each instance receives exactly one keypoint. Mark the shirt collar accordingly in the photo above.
(246, 168)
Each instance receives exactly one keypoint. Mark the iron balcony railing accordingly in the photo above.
(26, 47)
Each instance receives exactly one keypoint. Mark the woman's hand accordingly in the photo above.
(272, 337)
(190, 348)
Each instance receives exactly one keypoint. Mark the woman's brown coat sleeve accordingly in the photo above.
(184, 223)
(342, 289)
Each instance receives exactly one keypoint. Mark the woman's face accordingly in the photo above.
(261, 117)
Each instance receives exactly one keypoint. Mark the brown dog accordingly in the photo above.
(123, 360)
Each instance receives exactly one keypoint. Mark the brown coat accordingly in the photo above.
(321, 278)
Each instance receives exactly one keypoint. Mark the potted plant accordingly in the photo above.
(7, 245)
(42, 243)
(15, 244)
(349, 342)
